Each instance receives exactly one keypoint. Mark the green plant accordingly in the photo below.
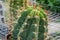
(32, 25)
(53, 5)
(14, 6)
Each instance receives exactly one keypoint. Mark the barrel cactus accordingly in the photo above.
(32, 25)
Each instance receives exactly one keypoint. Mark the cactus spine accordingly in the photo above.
(32, 25)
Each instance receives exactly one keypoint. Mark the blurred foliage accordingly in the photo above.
(53, 5)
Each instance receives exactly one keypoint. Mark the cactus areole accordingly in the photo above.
(32, 25)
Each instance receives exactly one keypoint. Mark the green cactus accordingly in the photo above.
(32, 25)
(14, 6)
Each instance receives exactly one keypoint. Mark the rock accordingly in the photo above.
(4, 29)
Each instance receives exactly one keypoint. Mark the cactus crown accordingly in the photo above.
(32, 25)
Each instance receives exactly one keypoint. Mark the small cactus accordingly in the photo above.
(32, 25)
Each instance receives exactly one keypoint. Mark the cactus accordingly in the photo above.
(32, 25)
(14, 6)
